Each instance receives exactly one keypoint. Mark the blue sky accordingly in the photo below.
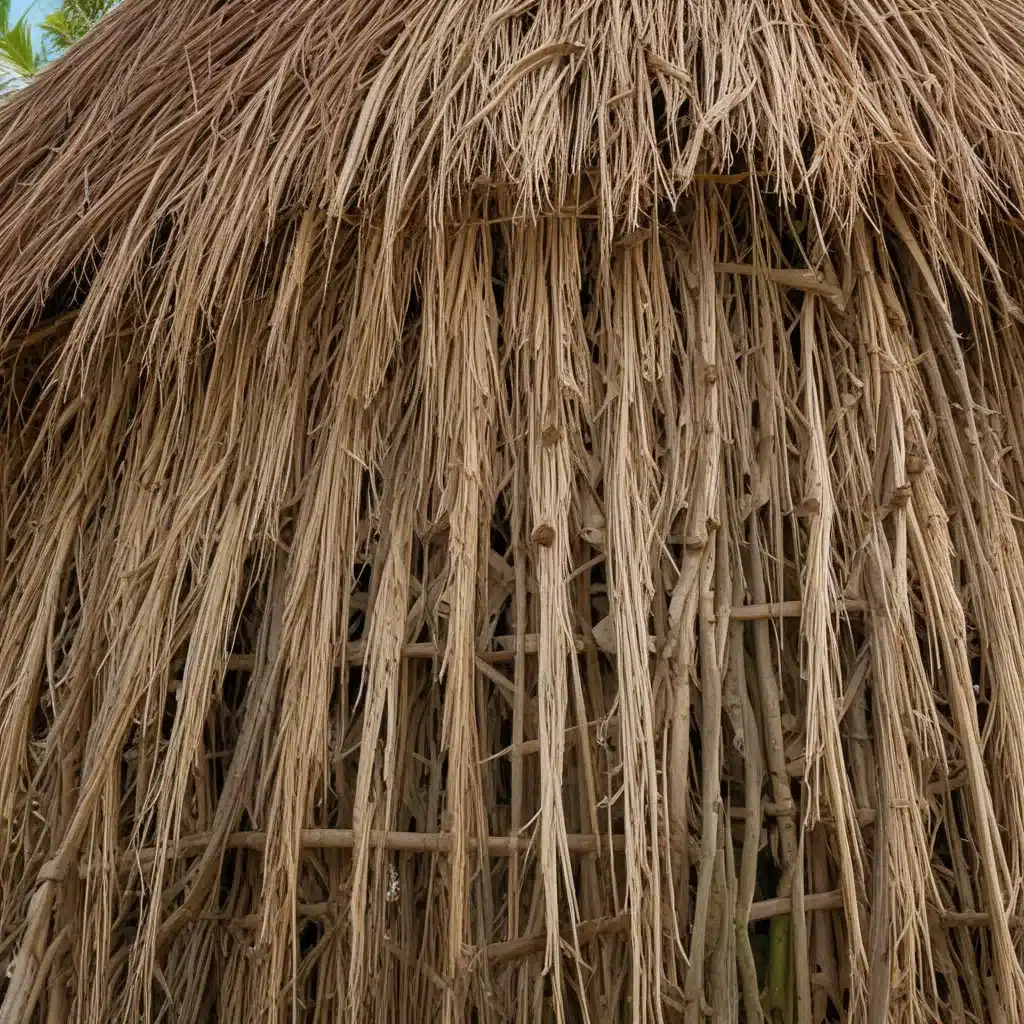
(37, 9)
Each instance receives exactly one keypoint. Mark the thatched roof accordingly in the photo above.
(512, 511)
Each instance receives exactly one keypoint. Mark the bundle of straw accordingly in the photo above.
(511, 511)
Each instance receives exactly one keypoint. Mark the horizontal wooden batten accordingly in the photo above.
(506, 651)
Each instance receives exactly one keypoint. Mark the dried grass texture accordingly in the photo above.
(511, 511)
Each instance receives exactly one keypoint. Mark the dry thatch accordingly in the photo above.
(511, 510)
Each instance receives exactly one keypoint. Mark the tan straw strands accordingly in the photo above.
(512, 511)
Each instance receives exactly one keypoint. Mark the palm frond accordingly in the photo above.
(19, 60)
(62, 29)
(72, 21)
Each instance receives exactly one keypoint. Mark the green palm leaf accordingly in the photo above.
(60, 29)
(19, 61)
(72, 21)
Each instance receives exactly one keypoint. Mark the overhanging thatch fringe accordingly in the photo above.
(499, 499)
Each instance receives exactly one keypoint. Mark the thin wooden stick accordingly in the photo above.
(762, 910)
(439, 842)
(54, 950)
(506, 651)
(345, 839)
(518, 715)
(586, 931)
(589, 930)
